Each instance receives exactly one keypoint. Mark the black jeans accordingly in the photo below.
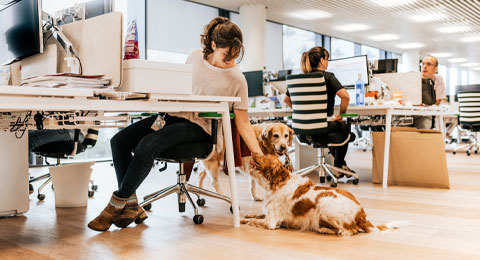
(146, 144)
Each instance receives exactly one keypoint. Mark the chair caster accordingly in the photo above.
(198, 219)
(201, 202)
(91, 193)
(476, 151)
(454, 152)
(41, 197)
(30, 188)
(469, 152)
(329, 178)
(333, 185)
(365, 150)
(181, 207)
(52, 187)
(94, 187)
(322, 179)
(355, 181)
(147, 207)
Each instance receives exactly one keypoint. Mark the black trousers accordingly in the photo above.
(338, 152)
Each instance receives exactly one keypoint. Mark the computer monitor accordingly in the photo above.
(254, 82)
(346, 70)
(409, 83)
(282, 74)
(21, 32)
(385, 66)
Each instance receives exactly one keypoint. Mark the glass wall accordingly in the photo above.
(295, 42)
(371, 52)
(341, 48)
(464, 77)
(453, 80)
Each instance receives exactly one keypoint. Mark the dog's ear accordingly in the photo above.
(266, 132)
(290, 138)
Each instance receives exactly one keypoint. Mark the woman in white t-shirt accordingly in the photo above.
(214, 73)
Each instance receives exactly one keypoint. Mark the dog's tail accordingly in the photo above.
(393, 225)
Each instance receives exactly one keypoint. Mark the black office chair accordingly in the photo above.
(187, 153)
(308, 94)
(64, 150)
(469, 106)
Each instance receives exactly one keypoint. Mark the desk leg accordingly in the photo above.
(386, 151)
(441, 126)
(227, 133)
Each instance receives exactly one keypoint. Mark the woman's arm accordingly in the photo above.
(288, 101)
(345, 99)
(246, 130)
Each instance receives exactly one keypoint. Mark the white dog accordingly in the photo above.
(296, 202)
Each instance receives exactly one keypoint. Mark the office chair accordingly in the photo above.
(308, 93)
(188, 153)
(64, 150)
(469, 106)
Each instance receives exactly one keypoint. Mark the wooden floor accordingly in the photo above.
(445, 224)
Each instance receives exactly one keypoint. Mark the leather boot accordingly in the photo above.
(114, 208)
(132, 211)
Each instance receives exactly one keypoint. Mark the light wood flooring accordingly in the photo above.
(445, 224)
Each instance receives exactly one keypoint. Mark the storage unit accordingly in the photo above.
(144, 76)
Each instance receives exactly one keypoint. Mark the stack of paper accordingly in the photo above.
(67, 80)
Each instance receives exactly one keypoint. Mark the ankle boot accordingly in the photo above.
(131, 211)
(114, 208)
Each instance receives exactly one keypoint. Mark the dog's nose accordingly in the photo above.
(283, 147)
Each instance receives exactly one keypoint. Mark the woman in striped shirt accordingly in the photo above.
(314, 60)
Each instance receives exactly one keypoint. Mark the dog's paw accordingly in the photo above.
(256, 198)
(244, 221)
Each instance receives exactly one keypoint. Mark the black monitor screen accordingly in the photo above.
(282, 74)
(386, 66)
(254, 82)
(20, 30)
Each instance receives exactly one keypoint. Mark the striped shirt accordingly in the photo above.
(308, 93)
(469, 102)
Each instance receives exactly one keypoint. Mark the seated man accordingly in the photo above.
(433, 90)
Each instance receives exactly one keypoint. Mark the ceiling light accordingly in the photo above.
(412, 45)
(311, 14)
(457, 60)
(477, 68)
(442, 54)
(393, 3)
(428, 17)
(453, 29)
(469, 64)
(353, 27)
(384, 37)
(471, 39)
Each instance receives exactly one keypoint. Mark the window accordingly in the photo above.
(274, 46)
(371, 52)
(295, 42)
(170, 37)
(464, 77)
(342, 48)
(399, 57)
(453, 80)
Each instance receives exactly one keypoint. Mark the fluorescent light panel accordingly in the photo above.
(469, 64)
(311, 14)
(442, 54)
(393, 3)
(471, 39)
(411, 45)
(457, 60)
(453, 29)
(477, 68)
(384, 37)
(353, 27)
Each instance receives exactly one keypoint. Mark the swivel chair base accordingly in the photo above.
(471, 146)
(326, 171)
(182, 188)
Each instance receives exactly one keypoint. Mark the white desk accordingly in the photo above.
(17, 99)
(256, 112)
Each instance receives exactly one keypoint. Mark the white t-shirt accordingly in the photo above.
(209, 80)
(440, 90)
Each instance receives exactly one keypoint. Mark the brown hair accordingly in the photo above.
(224, 34)
(311, 59)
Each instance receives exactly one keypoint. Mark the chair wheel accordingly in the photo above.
(329, 178)
(355, 181)
(365, 150)
(52, 187)
(94, 187)
(195, 169)
(181, 207)
(198, 219)
(454, 152)
(333, 185)
(30, 188)
(91, 193)
(476, 151)
(201, 202)
(147, 207)
(322, 179)
(468, 152)
(41, 196)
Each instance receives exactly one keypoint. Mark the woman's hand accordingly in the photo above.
(338, 118)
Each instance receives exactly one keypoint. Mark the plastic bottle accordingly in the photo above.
(360, 91)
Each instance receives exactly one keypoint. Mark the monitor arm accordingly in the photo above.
(73, 62)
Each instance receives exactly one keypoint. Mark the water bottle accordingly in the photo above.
(360, 91)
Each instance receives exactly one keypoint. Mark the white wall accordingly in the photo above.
(474, 77)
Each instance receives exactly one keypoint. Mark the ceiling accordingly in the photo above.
(441, 26)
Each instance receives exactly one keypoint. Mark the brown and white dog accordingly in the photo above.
(273, 138)
(296, 202)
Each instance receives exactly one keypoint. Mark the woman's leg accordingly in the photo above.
(152, 145)
(339, 152)
(125, 141)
